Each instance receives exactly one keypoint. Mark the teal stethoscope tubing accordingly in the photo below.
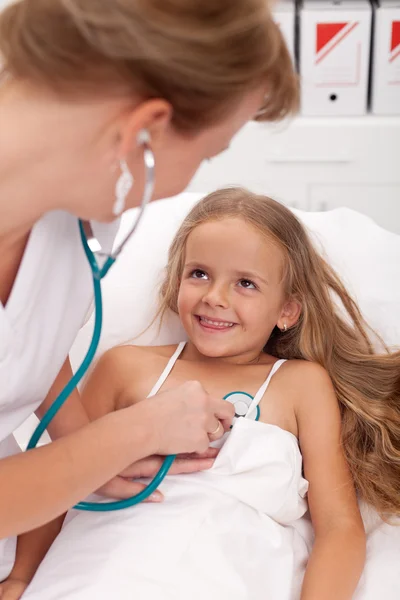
(97, 275)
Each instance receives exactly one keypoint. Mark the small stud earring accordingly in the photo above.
(284, 327)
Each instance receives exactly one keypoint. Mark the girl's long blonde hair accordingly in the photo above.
(329, 333)
(202, 56)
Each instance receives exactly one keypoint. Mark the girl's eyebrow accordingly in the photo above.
(194, 263)
(250, 275)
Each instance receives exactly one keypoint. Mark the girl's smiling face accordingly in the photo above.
(231, 293)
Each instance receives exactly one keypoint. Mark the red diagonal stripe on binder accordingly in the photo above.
(395, 55)
(327, 31)
(339, 37)
(395, 35)
(395, 40)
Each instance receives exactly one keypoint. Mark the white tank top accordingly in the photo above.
(48, 304)
(171, 363)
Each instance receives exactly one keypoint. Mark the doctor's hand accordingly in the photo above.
(12, 589)
(123, 486)
(184, 419)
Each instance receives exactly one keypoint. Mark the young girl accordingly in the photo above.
(265, 315)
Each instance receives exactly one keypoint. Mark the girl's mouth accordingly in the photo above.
(214, 324)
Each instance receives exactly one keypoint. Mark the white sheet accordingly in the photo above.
(97, 555)
(381, 577)
(96, 576)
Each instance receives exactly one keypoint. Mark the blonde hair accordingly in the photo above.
(201, 56)
(329, 333)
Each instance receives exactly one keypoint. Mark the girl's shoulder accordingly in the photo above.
(131, 370)
(304, 368)
(309, 390)
(132, 358)
(301, 374)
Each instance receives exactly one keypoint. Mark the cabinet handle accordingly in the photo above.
(309, 160)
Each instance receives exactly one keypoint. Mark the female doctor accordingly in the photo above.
(86, 87)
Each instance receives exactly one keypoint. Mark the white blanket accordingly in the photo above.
(236, 532)
(83, 554)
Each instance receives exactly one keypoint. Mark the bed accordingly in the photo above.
(368, 259)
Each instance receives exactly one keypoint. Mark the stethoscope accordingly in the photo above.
(93, 251)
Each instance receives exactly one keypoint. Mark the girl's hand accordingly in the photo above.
(12, 589)
(123, 487)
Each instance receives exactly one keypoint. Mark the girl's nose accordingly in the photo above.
(216, 296)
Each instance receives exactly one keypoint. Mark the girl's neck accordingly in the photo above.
(252, 357)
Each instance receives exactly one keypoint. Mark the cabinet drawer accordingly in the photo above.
(365, 149)
(380, 202)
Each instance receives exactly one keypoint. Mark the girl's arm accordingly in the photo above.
(338, 555)
(72, 416)
(32, 547)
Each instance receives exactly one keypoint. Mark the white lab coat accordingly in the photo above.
(48, 304)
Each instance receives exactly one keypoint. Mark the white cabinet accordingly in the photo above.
(317, 164)
(381, 202)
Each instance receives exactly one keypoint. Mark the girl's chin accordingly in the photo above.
(212, 348)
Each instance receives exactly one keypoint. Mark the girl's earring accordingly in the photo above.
(122, 188)
(284, 327)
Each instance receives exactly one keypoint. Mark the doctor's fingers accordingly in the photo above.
(209, 453)
(224, 411)
(122, 488)
(188, 463)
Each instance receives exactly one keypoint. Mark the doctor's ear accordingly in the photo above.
(290, 314)
(152, 116)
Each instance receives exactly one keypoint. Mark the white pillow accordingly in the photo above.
(366, 256)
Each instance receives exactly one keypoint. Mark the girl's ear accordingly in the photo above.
(290, 314)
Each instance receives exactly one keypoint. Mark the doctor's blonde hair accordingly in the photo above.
(330, 331)
(202, 56)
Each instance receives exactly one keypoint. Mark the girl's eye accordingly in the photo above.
(198, 274)
(247, 284)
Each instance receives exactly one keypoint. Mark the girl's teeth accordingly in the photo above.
(216, 323)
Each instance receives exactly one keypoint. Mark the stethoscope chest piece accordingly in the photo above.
(242, 401)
